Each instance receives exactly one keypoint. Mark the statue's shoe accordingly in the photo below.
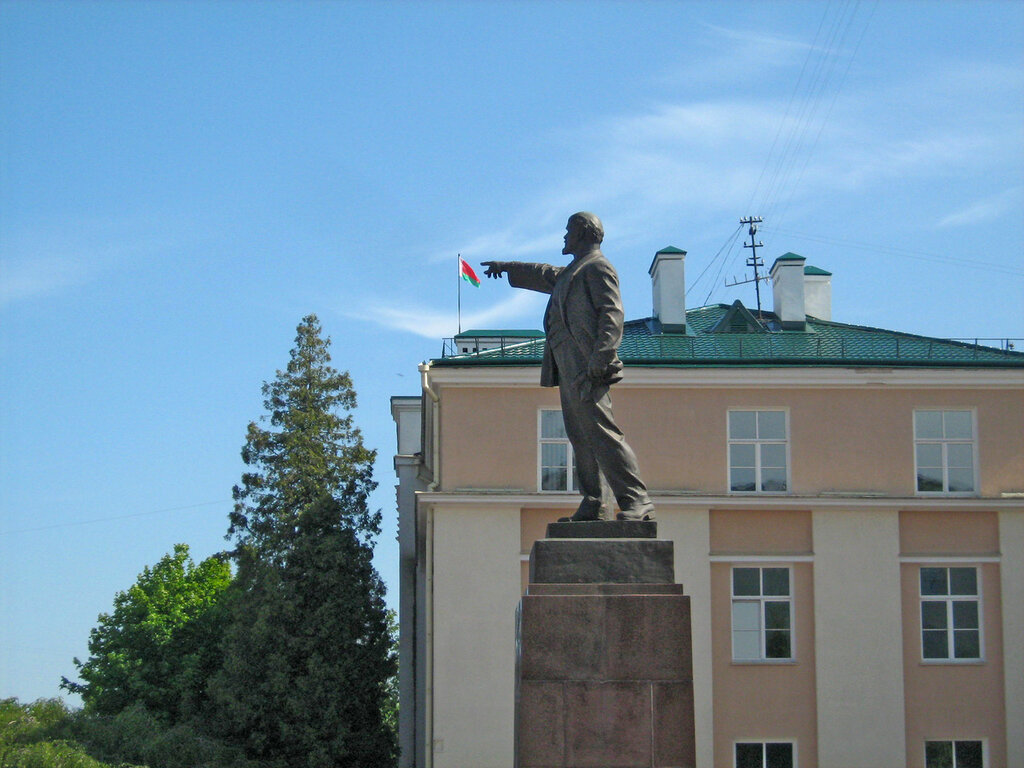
(588, 510)
(638, 513)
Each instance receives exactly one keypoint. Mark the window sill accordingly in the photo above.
(951, 662)
(763, 662)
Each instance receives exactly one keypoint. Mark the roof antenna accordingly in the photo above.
(754, 261)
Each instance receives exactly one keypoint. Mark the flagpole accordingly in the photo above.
(459, 265)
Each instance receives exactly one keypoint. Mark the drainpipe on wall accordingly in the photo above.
(435, 443)
(435, 437)
(428, 698)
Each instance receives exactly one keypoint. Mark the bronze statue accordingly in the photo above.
(583, 328)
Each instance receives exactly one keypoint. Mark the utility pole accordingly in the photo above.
(754, 261)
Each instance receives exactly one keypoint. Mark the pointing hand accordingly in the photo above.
(494, 268)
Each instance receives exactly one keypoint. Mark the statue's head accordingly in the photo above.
(582, 232)
(589, 225)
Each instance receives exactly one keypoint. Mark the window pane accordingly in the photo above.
(776, 581)
(773, 480)
(933, 615)
(966, 644)
(771, 425)
(928, 425)
(551, 424)
(553, 479)
(554, 454)
(779, 755)
(936, 644)
(741, 455)
(963, 581)
(960, 455)
(746, 581)
(968, 754)
(742, 425)
(746, 645)
(776, 644)
(933, 581)
(958, 425)
(965, 614)
(749, 756)
(929, 455)
(776, 614)
(938, 754)
(929, 479)
(961, 480)
(746, 615)
(773, 455)
(742, 480)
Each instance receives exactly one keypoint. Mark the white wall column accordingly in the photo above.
(1011, 569)
(690, 530)
(476, 592)
(858, 639)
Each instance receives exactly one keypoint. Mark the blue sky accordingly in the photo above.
(181, 182)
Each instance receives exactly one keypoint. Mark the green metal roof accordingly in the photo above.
(823, 343)
(672, 249)
(816, 271)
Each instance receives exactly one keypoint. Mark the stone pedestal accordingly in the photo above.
(604, 667)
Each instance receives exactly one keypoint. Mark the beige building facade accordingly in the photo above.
(847, 507)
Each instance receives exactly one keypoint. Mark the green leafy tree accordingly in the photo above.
(308, 655)
(161, 642)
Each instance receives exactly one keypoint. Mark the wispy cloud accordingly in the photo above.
(44, 276)
(987, 209)
(49, 260)
(505, 245)
(675, 166)
(762, 41)
(432, 324)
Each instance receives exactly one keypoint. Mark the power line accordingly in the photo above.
(728, 242)
(896, 251)
(828, 112)
(111, 519)
(809, 108)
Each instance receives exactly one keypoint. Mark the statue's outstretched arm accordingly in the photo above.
(522, 274)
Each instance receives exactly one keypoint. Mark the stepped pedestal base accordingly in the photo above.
(604, 669)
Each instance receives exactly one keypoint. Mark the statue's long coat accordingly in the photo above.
(589, 307)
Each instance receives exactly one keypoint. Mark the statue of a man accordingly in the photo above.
(583, 327)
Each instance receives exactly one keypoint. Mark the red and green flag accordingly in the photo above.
(467, 273)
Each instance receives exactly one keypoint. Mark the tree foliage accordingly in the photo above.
(312, 451)
(160, 643)
(308, 654)
(290, 662)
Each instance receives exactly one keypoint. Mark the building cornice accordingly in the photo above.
(743, 378)
(555, 501)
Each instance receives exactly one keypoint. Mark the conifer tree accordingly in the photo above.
(308, 655)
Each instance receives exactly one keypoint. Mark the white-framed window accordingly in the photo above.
(944, 451)
(770, 754)
(954, 754)
(762, 614)
(556, 465)
(758, 451)
(950, 614)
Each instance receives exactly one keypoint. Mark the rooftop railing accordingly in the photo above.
(842, 346)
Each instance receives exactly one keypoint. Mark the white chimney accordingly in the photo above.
(668, 282)
(788, 291)
(818, 293)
